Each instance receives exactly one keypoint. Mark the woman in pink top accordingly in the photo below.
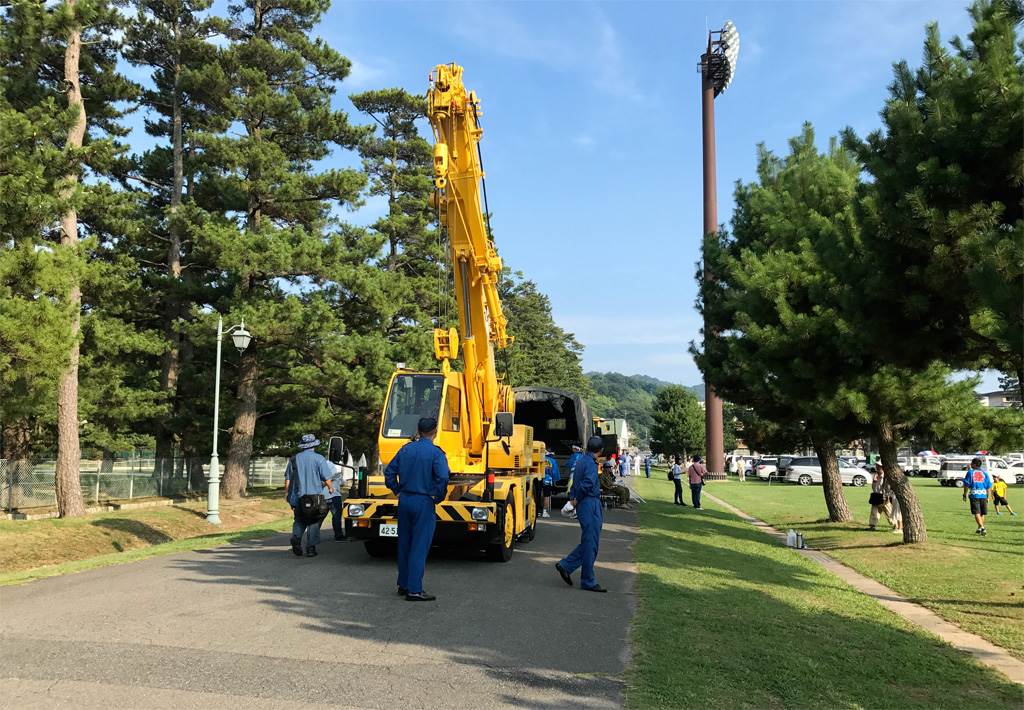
(695, 472)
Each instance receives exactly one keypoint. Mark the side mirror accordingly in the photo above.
(336, 451)
(504, 424)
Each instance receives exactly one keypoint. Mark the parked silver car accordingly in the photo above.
(806, 470)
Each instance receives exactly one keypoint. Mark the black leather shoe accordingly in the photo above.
(311, 551)
(402, 591)
(341, 538)
(565, 575)
(419, 597)
(595, 588)
(296, 543)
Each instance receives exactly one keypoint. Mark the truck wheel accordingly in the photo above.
(532, 511)
(501, 551)
(381, 548)
(959, 483)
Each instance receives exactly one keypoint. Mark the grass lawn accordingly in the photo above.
(728, 618)
(975, 582)
(30, 549)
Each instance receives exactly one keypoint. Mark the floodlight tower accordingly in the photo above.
(717, 67)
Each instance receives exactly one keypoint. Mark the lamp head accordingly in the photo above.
(241, 338)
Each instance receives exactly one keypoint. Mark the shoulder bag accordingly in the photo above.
(312, 507)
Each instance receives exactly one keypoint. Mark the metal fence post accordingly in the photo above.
(131, 484)
(96, 498)
(161, 488)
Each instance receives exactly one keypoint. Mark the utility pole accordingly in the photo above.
(717, 67)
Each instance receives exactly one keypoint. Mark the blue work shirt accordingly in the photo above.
(314, 470)
(978, 482)
(647, 465)
(584, 479)
(419, 467)
(571, 463)
(551, 471)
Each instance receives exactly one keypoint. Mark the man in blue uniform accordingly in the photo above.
(313, 476)
(577, 454)
(977, 484)
(647, 466)
(585, 496)
(419, 476)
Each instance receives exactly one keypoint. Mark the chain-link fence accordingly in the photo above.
(30, 484)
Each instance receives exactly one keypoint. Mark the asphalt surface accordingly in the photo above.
(252, 626)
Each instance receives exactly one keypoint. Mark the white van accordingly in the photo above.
(953, 470)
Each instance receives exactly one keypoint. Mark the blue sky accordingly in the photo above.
(592, 134)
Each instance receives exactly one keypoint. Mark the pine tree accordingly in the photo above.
(173, 38)
(57, 60)
(775, 301)
(542, 354)
(272, 204)
(944, 213)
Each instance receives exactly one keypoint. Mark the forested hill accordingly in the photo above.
(629, 397)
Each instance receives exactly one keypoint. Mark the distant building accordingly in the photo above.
(999, 398)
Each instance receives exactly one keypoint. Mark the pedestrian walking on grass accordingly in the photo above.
(695, 473)
(878, 499)
(418, 475)
(677, 479)
(741, 468)
(307, 475)
(977, 486)
(999, 495)
(585, 497)
(647, 466)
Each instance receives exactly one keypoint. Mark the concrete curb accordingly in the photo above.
(107, 508)
(985, 651)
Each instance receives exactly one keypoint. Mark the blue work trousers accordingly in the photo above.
(588, 512)
(695, 493)
(335, 504)
(299, 527)
(416, 521)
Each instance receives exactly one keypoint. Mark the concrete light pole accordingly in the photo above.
(717, 67)
(241, 339)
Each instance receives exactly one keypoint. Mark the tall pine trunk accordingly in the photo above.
(913, 519)
(69, 454)
(172, 310)
(831, 480)
(236, 471)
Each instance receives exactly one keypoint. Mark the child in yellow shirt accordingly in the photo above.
(999, 495)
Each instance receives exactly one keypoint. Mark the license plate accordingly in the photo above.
(389, 530)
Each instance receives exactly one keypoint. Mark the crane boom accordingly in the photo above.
(453, 113)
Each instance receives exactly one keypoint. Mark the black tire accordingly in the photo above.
(501, 551)
(381, 548)
(859, 480)
(804, 480)
(959, 483)
(934, 474)
(911, 473)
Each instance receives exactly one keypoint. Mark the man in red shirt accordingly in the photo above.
(695, 472)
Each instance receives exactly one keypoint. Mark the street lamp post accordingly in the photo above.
(717, 67)
(241, 338)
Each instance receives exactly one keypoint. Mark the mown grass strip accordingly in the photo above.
(167, 548)
(970, 580)
(727, 618)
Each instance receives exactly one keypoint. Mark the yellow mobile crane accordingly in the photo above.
(496, 466)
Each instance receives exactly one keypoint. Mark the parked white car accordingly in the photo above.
(953, 470)
(923, 466)
(806, 470)
(766, 468)
(1016, 473)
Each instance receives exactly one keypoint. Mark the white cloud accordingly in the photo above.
(368, 74)
(584, 140)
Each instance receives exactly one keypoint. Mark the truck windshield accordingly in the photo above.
(411, 397)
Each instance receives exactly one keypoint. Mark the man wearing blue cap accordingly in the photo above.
(418, 475)
(585, 496)
(307, 474)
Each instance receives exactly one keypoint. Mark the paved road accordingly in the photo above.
(251, 626)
